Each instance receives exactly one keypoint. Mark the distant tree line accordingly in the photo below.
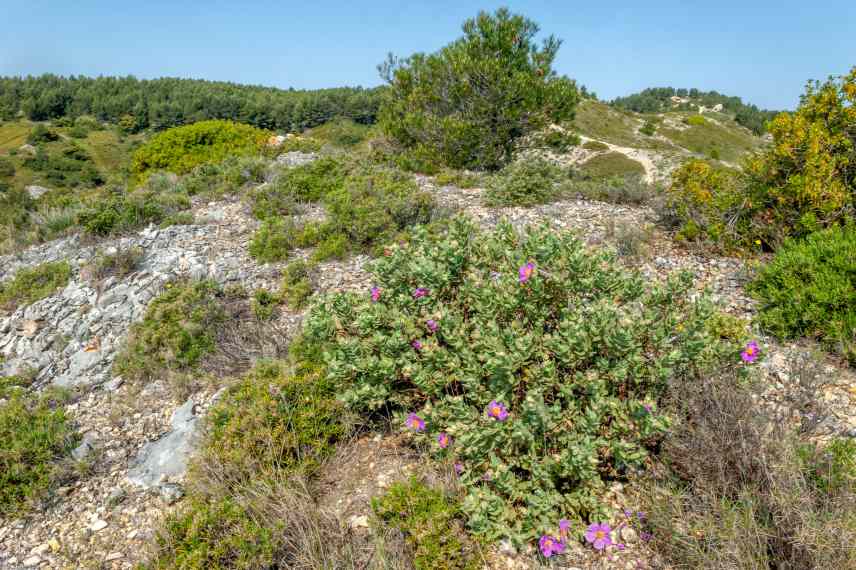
(656, 99)
(137, 104)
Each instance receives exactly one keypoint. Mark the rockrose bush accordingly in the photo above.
(531, 363)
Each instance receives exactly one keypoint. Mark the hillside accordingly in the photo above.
(496, 325)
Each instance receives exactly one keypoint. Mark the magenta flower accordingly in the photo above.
(526, 272)
(620, 546)
(645, 536)
(443, 440)
(414, 422)
(419, 292)
(416, 345)
(432, 325)
(628, 513)
(497, 411)
(375, 294)
(597, 534)
(459, 468)
(751, 352)
(550, 545)
(564, 527)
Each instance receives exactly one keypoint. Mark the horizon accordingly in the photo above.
(612, 50)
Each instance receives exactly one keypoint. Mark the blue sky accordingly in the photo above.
(763, 51)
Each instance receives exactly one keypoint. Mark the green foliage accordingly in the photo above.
(296, 286)
(596, 146)
(119, 211)
(579, 354)
(430, 523)
(341, 132)
(648, 128)
(180, 149)
(611, 164)
(36, 435)
(264, 304)
(42, 134)
(78, 132)
(809, 290)
(178, 329)
(65, 165)
(503, 88)
(32, 284)
(694, 121)
(333, 246)
(226, 177)
(276, 424)
(524, 183)
(295, 186)
(559, 141)
(7, 168)
(457, 178)
(137, 104)
(628, 189)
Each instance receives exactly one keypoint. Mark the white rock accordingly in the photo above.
(98, 525)
(32, 561)
(361, 521)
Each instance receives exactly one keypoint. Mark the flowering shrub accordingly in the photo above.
(540, 376)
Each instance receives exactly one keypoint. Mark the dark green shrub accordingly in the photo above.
(298, 185)
(78, 132)
(41, 134)
(36, 436)
(180, 149)
(809, 290)
(524, 183)
(264, 304)
(577, 351)
(32, 284)
(7, 168)
(178, 329)
(648, 128)
(65, 166)
(430, 522)
(458, 178)
(296, 286)
(560, 141)
(333, 246)
(274, 239)
(503, 88)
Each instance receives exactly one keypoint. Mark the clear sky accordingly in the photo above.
(761, 50)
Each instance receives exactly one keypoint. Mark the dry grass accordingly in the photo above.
(743, 487)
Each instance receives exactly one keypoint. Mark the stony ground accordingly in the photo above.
(136, 441)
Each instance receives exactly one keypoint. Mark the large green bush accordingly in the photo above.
(809, 290)
(468, 103)
(180, 149)
(576, 350)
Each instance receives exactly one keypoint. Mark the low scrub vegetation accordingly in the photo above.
(491, 347)
(743, 489)
(503, 88)
(177, 331)
(247, 506)
(119, 265)
(611, 164)
(180, 149)
(431, 523)
(525, 183)
(32, 284)
(37, 438)
(809, 290)
(628, 189)
(366, 205)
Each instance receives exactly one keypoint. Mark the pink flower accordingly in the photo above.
(564, 526)
(443, 440)
(550, 545)
(597, 534)
(751, 352)
(526, 272)
(416, 345)
(459, 468)
(419, 292)
(375, 294)
(497, 411)
(432, 325)
(414, 422)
